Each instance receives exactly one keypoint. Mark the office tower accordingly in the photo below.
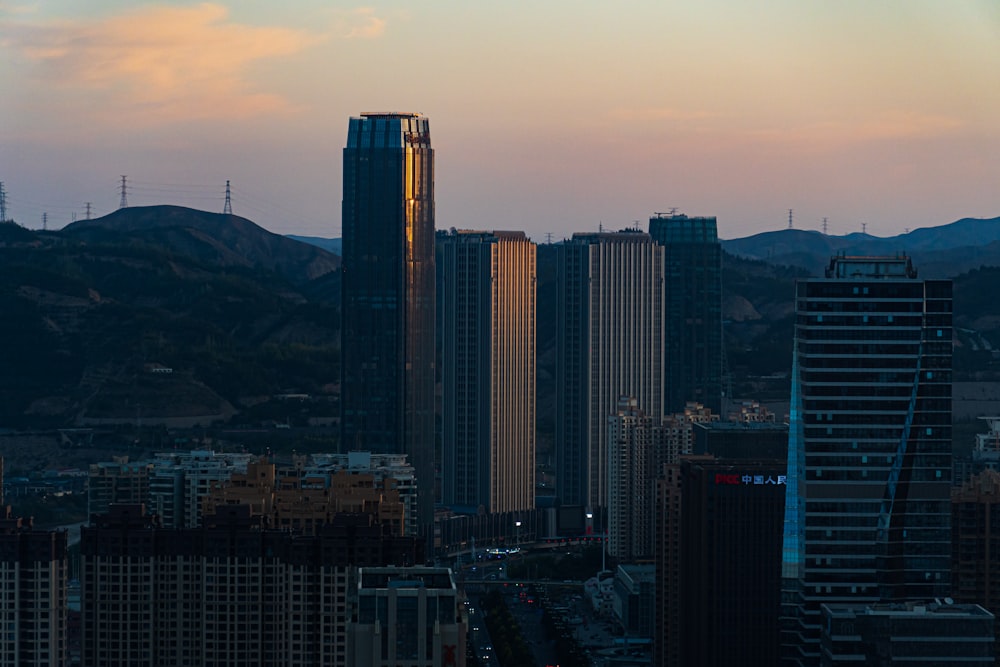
(229, 593)
(975, 564)
(486, 294)
(868, 516)
(407, 616)
(632, 438)
(610, 328)
(719, 530)
(387, 339)
(931, 632)
(692, 310)
(33, 594)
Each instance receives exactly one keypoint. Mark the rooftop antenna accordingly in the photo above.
(228, 208)
(600, 226)
(824, 226)
(124, 200)
(789, 218)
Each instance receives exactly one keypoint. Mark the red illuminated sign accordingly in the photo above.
(729, 479)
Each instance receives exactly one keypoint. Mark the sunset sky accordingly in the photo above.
(551, 117)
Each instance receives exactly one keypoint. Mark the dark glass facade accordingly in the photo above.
(387, 347)
(692, 310)
(867, 515)
(718, 584)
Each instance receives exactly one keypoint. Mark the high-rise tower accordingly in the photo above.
(387, 348)
(487, 329)
(867, 512)
(692, 310)
(610, 328)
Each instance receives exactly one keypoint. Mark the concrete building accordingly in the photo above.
(635, 599)
(407, 616)
(33, 594)
(180, 481)
(486, 298)
(117, 482)
(610, 327)
(388, 369)
(868, 514)
(230, 592)
(906, 633)
(632, 439)
(975, 562)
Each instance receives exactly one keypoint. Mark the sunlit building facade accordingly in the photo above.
(867, 514)
(387, 346)
(486, 290)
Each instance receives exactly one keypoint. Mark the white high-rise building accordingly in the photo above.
(610, 328)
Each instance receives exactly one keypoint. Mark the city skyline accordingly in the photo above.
(876, 117)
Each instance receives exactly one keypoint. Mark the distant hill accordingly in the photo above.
(239, 315)
(104, 307)
(224, 240)
(336, 246)
(944, 251)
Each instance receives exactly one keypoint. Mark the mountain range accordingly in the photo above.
(168, 315)
(938, 252)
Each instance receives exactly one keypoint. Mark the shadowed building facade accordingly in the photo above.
(387, 347)
(867, 513)
(486, 290)
(692, 310)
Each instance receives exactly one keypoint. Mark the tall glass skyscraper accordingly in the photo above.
(487, 288)
(867, 511)
(387, 346)
(692, 310)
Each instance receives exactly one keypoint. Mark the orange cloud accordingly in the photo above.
(161, 63)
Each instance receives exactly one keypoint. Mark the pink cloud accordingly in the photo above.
(163, 63)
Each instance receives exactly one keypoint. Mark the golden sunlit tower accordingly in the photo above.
(487, 288)
(387, 346)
